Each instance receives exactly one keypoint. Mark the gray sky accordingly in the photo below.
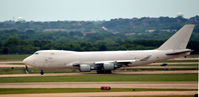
(52, 10)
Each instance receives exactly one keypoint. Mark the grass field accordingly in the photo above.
(180, 61)
(177, 64)
(104, 78)
(12, 57)
(20, 70)
(193, 56)
(155, 69)
(76, 90)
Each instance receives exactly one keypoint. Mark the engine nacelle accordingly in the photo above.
(85, 68)
(109, 66)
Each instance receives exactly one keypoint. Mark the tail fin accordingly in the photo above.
(179, 40)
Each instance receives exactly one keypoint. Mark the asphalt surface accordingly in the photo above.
(154, 85)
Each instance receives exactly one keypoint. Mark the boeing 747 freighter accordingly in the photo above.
(106, 61)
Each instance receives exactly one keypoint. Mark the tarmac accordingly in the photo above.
(154, 85)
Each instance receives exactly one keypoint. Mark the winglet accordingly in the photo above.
(179, 40)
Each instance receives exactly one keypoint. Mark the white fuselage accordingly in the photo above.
(66, 59)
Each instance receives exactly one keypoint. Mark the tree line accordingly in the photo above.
(14, 45)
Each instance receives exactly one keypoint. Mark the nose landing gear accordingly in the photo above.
(26, 69)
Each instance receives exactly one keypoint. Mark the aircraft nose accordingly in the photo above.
(27, 61)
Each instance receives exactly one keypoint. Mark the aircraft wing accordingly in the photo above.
(117, 61)
(102, 65)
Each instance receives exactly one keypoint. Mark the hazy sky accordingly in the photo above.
(52, 10)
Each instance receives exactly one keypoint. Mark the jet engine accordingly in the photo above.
(85, 68)
(109, 66)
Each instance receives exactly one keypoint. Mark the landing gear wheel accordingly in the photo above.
(26, 69)
(42, 72)
(108, 71)
(104, 71)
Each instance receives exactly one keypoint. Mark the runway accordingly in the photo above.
(136, 72)
(7, 62)
(154, 85)
(8, 65)
(100, 94)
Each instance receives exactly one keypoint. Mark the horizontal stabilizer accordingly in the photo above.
(179, 52)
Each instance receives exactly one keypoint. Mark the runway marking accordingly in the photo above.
(8, 65)
(6, 62)
(94, 94)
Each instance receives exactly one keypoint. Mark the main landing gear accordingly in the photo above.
(104, 71)
(42, 72)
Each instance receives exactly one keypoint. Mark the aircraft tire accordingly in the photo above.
(104, 71)
(42, 72)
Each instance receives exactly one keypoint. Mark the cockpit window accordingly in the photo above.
(36, 53)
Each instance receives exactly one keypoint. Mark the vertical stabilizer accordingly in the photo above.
(179, 40)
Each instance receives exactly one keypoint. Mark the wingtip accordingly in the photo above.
(190, 25)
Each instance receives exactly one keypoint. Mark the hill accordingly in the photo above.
(116, 34)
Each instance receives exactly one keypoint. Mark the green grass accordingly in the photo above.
(16, 70)
(155, 69)
(172, 65)
(104, 78)
(193, 56)
(177, 64)
(180, 61)
(20, 70)
(76, 90)
(12, 57)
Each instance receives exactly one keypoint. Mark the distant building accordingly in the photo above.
(54, 30)
(150, 30)
(20, 19)
(104, 28)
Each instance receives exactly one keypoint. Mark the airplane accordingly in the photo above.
(106, 61)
